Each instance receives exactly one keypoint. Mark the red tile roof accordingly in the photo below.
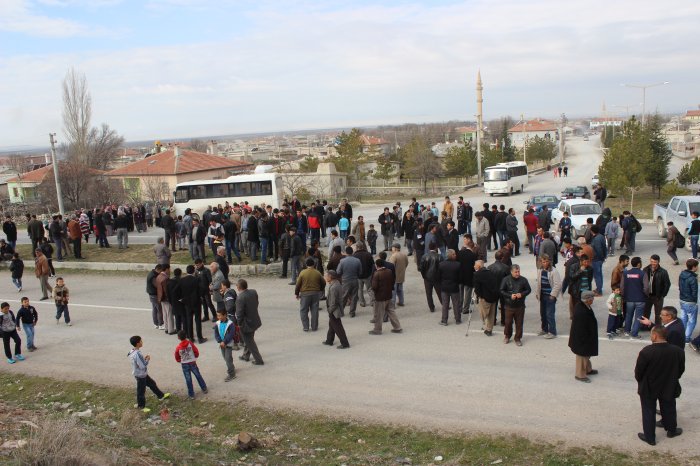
(694, 113)
(534, 126)
(38, 175)
(371, 140)
(190, 162)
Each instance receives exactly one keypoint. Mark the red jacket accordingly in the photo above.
(181, 350)
(530, 221)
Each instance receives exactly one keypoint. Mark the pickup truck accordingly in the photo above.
(678, 211)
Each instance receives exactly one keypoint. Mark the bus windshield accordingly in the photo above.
(500, 174)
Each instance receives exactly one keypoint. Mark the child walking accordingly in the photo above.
(224, 333)
(28, 318)
(8, 328)
(614, 303)
(186, 353)
(17, 270)
(60, 297)
(139, 369)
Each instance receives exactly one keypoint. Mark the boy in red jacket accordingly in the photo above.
(186, 354)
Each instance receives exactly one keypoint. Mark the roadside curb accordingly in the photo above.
(236, 270)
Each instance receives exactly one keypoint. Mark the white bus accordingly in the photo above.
(505, 178)
(256, 189)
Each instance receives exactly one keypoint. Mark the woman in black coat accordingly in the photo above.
(583, 338)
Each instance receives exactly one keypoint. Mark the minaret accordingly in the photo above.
(479, 123)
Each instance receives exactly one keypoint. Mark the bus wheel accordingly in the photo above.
(491, 194)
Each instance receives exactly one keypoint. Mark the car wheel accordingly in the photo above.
(660, 228)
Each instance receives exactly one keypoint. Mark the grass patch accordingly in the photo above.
(644, 200)
(202, 432)
(136, 253)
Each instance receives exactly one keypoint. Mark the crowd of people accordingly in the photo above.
(335, 257)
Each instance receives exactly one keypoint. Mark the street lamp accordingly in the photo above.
(644, 88)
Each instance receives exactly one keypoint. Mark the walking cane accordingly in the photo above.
(472, 309)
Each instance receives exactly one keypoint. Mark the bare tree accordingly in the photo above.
(77, 112)
(199, 145)
(155, 188)
(104, 147)
(17, 163)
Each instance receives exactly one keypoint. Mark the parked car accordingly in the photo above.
(576, 192)
(595, 180)
(579, 211)
(536, 202)
(678, 211)
(585, 138)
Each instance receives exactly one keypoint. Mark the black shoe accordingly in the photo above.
(206, 319)
(443, 323)
(675, 433)
(243, 358)
(326, 343)
(660, 424)
(282, 276)
(644, 439)
(352, 314)
(395, 330)
(202, 340)
(342, 347)
(258, 363)
(592, 372)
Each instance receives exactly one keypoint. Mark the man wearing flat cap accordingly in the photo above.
(583, 338)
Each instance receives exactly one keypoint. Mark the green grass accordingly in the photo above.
(287, 437)
(644, 201)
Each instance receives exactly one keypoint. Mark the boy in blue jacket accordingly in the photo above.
(8, 329)
(139, 369)
(224, 332)
(27, 317)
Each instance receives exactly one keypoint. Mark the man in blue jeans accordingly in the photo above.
(694, 233)
(600, 253)
(688, 287)
(548, 289)
(632, 289)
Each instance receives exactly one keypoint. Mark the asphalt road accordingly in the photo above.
(429, 377)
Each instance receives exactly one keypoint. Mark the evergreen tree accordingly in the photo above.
(460, 161)
(624, 163)
(660, 154)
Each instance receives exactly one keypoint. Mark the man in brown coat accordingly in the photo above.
(400, 261)
(383, 286)
(42, 271)
(75, 236)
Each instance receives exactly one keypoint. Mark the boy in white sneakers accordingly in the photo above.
(8, 328)
(139, 369)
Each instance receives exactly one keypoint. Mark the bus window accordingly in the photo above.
(218, 190)
(198, 192)
(496, 175)
(243, 189)
(181, 194)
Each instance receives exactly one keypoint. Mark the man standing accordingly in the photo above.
(349, 270)
(400, 261)
(600, 253)
(674, 327)
(688, 286)
(10, 230)
(451, 237)
(35, 230)
(217, 278)
(383, 286)
(296, 249)
(466, 258)
(482, 231)
(694, 233)
(544, 218)
(365, 277)
(499, 223)
(514, 290)
(42, 271)
(309, 288)
(548, 289)
(122, 226)
(448, 207)
(448, 271)
(672, 237)
(152, 292)
(580, 280)
(197, 238)
(189, 286)
(657, 285)
(487, 292)
(248, 318)
(203, 274)
(512, 230)
(632, 289)
(500, 271)
(583, 337)
(76, 236)
(386, 221)
(168, 225)
(161, 283)
(530, 221)
(428, 269)
(658, 371)
(334, 305)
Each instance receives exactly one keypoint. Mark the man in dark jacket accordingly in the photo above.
(466, 258)
(248, 319)
(203, 274)
(253, 235)
(673, 325)
(580, 280)
(514, 290)
(583, 338)
(383, 287)
(544, 218)
(35, 230)
(600, 253)
(486, 290)
(168, 225)
(657, 285)
(189, 286)
(428, 269)
(386, 221)
(10, 230)
(451, 236)
(500, 271)
(153, 297)
(499, 223)
(658, 371)
(364, 278)
(230, 230)
(449, 273)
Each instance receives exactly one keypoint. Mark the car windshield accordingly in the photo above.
(585, 209)
(496, 175)
(544, 200)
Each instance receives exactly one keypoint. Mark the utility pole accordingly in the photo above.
(644, 88)
(479, 124)
(562, 145)
(524, 140)
(59, 196)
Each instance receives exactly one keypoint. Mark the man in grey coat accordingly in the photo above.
(248, 319)
(547, 247)
(334, 303)
(349, 270)
(217, 278)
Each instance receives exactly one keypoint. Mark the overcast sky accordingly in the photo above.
(187, 68)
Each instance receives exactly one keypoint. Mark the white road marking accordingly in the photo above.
(36, 302)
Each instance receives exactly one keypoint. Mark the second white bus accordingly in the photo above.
(505, 178)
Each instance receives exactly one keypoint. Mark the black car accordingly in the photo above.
(576, 192)
(536, 202)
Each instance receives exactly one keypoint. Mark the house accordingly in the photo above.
(326, 182)
(157, 175)
(466, 133)
(25, 187)
(526, 130)
(692, 116)
(597, 123)
(372, 143)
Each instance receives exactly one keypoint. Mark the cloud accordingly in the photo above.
(20, 16)
(305, 64)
